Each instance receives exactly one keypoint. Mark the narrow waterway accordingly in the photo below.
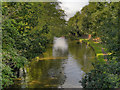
(58, 69)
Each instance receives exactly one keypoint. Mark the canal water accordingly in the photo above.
(58, 68)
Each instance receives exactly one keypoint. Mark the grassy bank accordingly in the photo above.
(97, 46)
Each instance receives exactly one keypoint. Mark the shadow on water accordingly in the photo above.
(57, 73)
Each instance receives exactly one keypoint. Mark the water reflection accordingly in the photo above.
(64, 73)
(45, 74)
(60, 47)
(83, 55)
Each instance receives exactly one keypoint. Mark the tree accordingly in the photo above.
(101, 19)
(27, 29)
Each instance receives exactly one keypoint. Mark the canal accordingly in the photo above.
(58, 69)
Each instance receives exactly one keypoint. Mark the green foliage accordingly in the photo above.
(6, 75)
(75, 28)
(101, 19)
(103, 76)
(11, 57)
(27, 28)
(104, 21)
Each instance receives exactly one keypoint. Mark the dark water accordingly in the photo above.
(65, 71)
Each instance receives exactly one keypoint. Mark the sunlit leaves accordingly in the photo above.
(27, 29)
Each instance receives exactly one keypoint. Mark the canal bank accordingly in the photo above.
(99, 49)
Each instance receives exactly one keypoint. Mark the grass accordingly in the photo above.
(97, 47)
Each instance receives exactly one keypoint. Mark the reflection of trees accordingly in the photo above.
(83, 54)
(46, 73)
(60, 53)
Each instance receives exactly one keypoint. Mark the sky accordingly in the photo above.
(72, 6)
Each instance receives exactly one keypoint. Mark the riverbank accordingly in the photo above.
(99, 49)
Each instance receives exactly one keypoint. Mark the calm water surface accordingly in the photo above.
(63, 72)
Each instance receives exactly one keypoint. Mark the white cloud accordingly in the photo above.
(72, 6)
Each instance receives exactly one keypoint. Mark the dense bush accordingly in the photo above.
(27, 28)
(103, 76)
